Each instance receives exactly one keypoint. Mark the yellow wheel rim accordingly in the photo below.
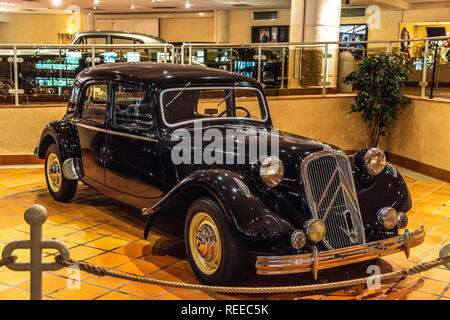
(205, 243)
(54, 175)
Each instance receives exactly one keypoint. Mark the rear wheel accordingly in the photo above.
(61, 189)
(216, 251)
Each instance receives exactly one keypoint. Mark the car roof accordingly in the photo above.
(146, 38)
(166, 75)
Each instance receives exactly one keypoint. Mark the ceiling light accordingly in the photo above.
(132, 6)
(187, 5)
(56, 2)
(96, 1)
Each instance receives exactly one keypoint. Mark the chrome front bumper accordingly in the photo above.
(315, 261)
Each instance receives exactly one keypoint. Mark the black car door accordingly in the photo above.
(135, 165)
(91, 126)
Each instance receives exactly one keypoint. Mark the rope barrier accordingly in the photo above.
(103, 271)
(8, 260)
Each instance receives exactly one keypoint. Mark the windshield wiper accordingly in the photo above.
(228, 95)
(178, 95)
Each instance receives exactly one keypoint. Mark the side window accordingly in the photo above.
(122, 40)
(96, 40)
(132, 107)
(74, 97)
(94, 103)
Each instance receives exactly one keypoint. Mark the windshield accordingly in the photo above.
(187, 104)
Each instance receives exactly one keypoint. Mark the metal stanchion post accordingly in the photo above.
(190, 54)
(93, 56)
(16, 78)
(424, 83)
(325, 71)
(36, 216)
(259, 62)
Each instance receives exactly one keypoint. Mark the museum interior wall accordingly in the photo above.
(413, 136)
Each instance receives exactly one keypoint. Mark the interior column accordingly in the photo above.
(314, 21)
(222, 26)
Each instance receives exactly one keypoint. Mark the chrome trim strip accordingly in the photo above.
(90, 127)
(131, 136)
(116, 133)
(212, 119)
(276, 265)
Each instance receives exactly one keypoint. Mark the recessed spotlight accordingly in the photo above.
(96, 1)
(132, 6)
(187, 5)
(56, 2)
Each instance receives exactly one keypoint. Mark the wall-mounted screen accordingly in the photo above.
(354, 32)
(270, 34)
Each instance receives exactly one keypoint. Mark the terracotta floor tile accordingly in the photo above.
(83, 252)
(143, 290)
(114, 295)
(81, 237)
(50, 284)
(57, 232)
(107, 243)
(133, 249)
(59, 219)
(80, 224)
(109, 259)
(86, 292)
(106, 282)
(417, 283)
(138, 267)
(13, 278)
(14, 294)
(184, 294)
(3, 287)
(10, 234)
(418, 295)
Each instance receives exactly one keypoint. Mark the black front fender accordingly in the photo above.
(388, 190)
(245, 210)
(65, 135)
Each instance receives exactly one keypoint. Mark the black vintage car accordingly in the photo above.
(301, 206)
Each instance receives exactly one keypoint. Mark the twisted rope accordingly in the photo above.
(8, 260)
(102, 271)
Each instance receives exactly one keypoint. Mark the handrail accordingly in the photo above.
(85, 46)
(209, 44)
(16, 50)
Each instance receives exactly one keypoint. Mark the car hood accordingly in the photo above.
(292, 148)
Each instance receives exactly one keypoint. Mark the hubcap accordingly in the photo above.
(205, 243)
(54, 172)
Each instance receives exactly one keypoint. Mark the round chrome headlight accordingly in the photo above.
(271, 171)
(316, 230)
(375, 161)
(388, 217)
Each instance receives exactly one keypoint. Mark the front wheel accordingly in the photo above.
(61, 189)
(215, 250)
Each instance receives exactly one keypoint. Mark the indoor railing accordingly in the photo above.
(45, 73)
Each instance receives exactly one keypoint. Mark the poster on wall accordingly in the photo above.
(354, 33)
(270, 34)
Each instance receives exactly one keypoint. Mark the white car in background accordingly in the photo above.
(51, 70)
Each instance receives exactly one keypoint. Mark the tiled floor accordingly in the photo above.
(102, 231)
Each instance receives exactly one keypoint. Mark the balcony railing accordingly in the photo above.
(33, 72)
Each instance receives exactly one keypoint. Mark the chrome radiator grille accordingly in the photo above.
(332, 198)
